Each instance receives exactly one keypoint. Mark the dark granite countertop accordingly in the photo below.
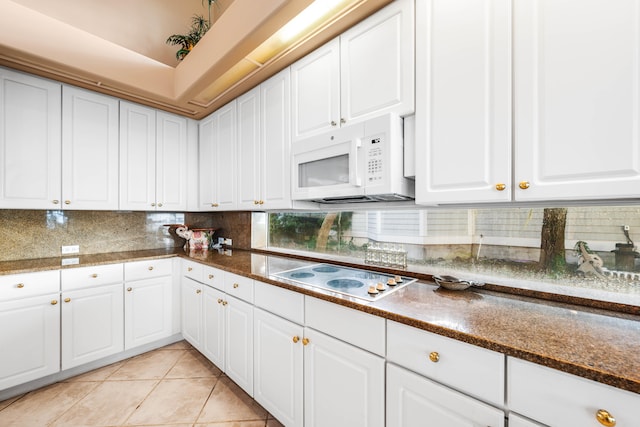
(592, 343)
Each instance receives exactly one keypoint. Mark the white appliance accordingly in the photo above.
(362, 162)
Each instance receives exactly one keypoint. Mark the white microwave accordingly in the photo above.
(362, 162)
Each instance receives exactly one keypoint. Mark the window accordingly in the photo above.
(582, 251)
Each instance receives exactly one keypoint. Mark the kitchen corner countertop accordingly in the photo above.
(600, 345)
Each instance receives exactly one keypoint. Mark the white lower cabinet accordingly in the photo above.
(191, 309)
(278, 367)
(29, 338)
(214, 325)
(148, 301)
(239, 343)
(518, 421)
(92, 324)
(415, 401)
(559, 399)
(343, 384)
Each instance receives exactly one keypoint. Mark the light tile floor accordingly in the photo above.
(174, 386)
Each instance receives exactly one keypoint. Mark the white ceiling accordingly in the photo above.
(118, 47)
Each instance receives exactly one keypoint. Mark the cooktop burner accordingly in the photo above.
(352, 282)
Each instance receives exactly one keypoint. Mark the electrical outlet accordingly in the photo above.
(228, 242)
(72, 249)
(221, 240)
(625, 227)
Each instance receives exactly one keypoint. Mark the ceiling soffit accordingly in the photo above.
(51, 48)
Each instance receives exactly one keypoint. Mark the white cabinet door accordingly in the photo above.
(577, 97)
(148, 310)
(278, 369)
(30, 142)
(249, 150)
(377, 64)
(315, 91)
(192, 312)
(89, 150)
(137, 157)
(415, 401)
(92, 324)
(275, 134)
(30, 339)
(171, 162)
(239, 343)
(343, 385)
(218, 160)
(463, 101)
(214, 326)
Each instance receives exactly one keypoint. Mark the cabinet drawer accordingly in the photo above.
(139, 270)
(192, 270)
(238, 286)
(465, 367)
(355, 327)
(556, 398)
(86, 277)
(213, 277)
(279, 301)
(29, 284)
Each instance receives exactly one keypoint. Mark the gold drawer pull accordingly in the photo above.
(189, 268)
(225, 302)
(20, 285)
(219, 300)
(198, 291)
(500, 187)
(54, 301)
(605, 418)
(67, 202)
(129, 289)
(55, 201)
(524, 185)
(150, 267)
(67, 300)
(296, 339)
(305, 341)
(235, 286)
(211, 276)
(94, 275)
(434, 356)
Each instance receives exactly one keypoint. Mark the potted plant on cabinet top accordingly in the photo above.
(199, 27)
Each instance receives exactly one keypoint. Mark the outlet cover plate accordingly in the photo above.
(72, 249)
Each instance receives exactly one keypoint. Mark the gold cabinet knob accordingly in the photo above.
(434, 356)
(500, 186)
(20, 285)
(261, 202)
(211, 276)
(255, 202)
(219, 300)
(153, 205)
(54, 301)
(189, 268)
(214, 205)
(150, 268)
(342, 120)
(129, 289)
(235, 286)
(524, 185)
(305, 341)
(296, 339)
(605, 418)
(94, 275)
(225, 302)
(159, 205)
(199, 291)
(333, 123)
(67, 300)
(56, 201)
(67, 202)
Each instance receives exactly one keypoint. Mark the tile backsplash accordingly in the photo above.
(29, 234)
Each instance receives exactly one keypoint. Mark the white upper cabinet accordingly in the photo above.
(463, 101)
(368, 70)
(153, 159)
(30, 162)
(577, 98)
(89, 150)
(217, 161)
(264, 145)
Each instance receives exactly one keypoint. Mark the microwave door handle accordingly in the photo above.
(356, 153)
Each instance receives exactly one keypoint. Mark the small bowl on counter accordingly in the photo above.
(453, 283)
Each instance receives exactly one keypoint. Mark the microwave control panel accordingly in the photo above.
(375, 162)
